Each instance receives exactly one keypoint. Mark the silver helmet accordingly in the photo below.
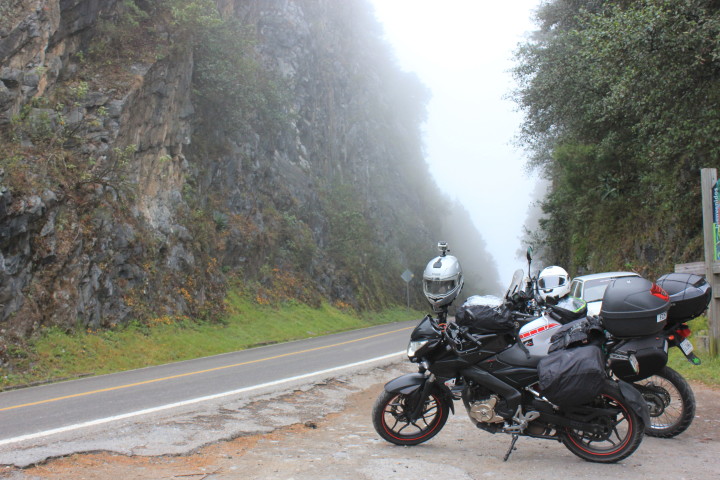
(442, 280)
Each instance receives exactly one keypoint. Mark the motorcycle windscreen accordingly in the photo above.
(515, 283)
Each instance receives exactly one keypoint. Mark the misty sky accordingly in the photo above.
(462, 50)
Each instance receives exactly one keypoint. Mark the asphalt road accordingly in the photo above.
(38, 416)
(325, 432)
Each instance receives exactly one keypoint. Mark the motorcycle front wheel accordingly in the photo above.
(671, 403)
(620, 433)
(391, 418)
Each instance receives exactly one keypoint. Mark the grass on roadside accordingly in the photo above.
(708, 371)
(57, 354)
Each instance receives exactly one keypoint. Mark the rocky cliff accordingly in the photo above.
(155, 154)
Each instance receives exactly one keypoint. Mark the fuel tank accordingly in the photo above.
(535, 335)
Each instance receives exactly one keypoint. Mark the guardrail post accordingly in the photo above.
(708, 178)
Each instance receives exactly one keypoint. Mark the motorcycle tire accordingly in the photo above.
(621, 435)
(390, 418)
(671, 403)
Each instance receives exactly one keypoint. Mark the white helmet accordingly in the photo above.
(442, 280)
(553, 282)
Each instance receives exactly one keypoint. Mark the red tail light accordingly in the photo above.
(683, 331)
(657, 291)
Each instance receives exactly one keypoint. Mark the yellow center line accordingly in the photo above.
(120, 387)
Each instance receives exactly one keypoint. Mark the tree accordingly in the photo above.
(620, 101)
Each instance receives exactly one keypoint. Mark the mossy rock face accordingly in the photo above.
(155, 154)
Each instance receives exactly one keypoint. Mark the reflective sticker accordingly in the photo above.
(534, 332)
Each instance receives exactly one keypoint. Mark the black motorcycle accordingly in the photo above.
(482, 362)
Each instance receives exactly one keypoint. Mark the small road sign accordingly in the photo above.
(407, 275)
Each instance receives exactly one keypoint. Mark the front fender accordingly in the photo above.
(412, 382)
(406, 384)
(636, 401)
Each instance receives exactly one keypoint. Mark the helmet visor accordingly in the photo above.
(551, 281)
(439, 287)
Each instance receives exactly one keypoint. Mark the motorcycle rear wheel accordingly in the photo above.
(622, 431)
(671, 403)
(390, 418)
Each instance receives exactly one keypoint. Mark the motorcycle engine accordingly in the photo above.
(483, 410)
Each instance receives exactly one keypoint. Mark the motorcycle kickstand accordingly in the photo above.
(512, 447)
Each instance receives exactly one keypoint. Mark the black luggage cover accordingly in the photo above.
(572, 377)
(484, 318)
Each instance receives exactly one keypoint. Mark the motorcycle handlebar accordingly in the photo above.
(469, 337)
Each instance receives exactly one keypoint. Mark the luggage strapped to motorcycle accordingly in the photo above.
(573, 372)
(576, 333)
(572, 377)
(480, 319)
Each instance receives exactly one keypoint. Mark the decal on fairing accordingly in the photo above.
(535, 331)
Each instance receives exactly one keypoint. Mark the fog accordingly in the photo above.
(462, 51)
(479, 269)
(531, 227)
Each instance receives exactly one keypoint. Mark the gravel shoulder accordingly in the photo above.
(324, 431)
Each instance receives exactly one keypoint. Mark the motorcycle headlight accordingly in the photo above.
(415, 346)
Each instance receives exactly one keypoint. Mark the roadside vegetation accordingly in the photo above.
(620, 102)
(708, 371)
(58, 354)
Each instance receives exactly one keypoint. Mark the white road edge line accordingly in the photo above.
(101, 421)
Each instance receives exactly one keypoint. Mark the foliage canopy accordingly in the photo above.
(621, 103)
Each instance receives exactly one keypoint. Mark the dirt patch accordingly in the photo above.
(344, 445)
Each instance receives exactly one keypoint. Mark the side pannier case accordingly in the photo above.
(634, 307)
(650, 352)
(572, 377)
(689, 295)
